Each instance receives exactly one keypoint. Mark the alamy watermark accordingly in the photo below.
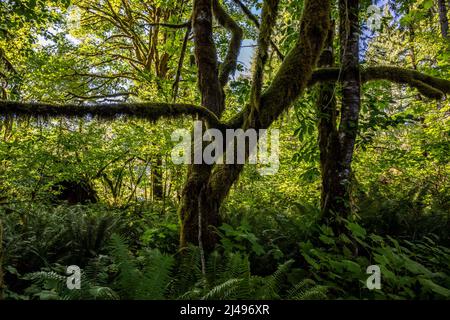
(237, 147)
(374, 20)
(73, 280)
(373, 281)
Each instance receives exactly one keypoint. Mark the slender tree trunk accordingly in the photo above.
(157, 178)
(1, 260)
(329, 145)
(443, 19)
(337, 146)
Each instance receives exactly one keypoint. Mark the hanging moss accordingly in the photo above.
(149, 111)
(429, 86)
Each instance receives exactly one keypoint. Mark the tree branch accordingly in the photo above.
(229, 64)
(297, 68)
(255, 21)
(429, 86)
(206, 57)
(101, 96)
(180, 64)
(268, 20)
(152, 111)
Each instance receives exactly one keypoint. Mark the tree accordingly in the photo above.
(207, 185)
(1, 260)
(443, 20)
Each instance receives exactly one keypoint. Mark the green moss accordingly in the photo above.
(148, 110)
(429, 86)
(229, 64)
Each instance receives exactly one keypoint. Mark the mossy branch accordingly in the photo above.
(429, 86)
(229, 64)
(297, 67)
(255, 21)
(147, 110)
(269, 15)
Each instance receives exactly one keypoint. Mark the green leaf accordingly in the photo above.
(435, 287)
(356, 230)
(351, 266)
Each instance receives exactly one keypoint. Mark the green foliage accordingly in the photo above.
(271, 244)
(409, 270)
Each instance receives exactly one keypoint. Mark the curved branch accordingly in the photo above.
(180, 64)
(429, 86)
(269, 15)
(152, 111)
(229, 64)
(255, 21)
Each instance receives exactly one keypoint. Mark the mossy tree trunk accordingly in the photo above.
(443, 19)
(329, 145)
(194, 198)
(337, 145)
(1, 260)
(157, 178)
(207, 186)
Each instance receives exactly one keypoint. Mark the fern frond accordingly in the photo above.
(223, 291)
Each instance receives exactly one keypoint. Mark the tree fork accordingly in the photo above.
(212, 97)
(288, 84)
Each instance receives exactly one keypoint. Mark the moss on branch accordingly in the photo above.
(255, 21)
(229, 64)
(147, 110)
(429, 86)
(268, 21)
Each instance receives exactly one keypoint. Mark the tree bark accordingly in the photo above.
(1, 260)
(329, 145)
(337, 146)
(194, 197)
(157, 178)
(213, 184)
(443, 19)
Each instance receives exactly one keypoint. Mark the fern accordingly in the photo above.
(226, 290)
(273, 283)
(129, 278)
(307, 290)
(149, 283)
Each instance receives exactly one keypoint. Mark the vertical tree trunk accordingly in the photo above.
(194, 197)
(329, 145)
(1, 260)
(157, 178)
(443, 19)
(337, 146)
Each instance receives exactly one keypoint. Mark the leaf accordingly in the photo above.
(427, 4)
(326, 240)
(311, 261)
(356, 230)
(435, 287)
(351, 266)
